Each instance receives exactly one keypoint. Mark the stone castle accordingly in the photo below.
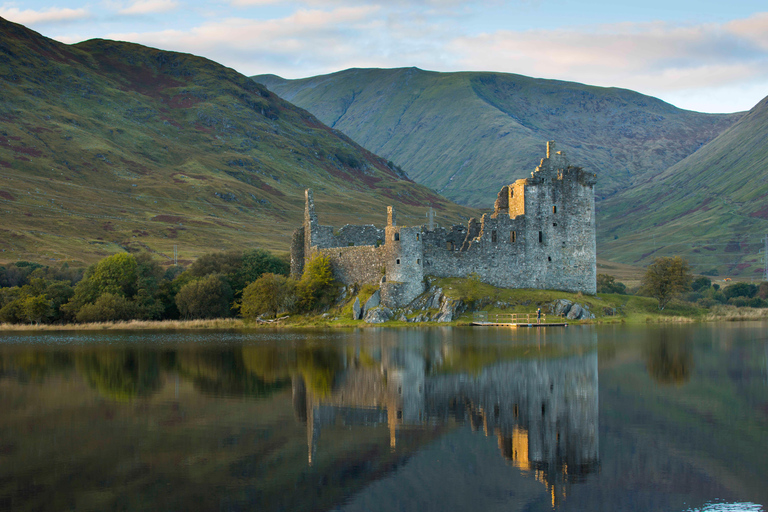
(540, 235)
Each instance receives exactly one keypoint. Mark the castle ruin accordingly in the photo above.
(540, 235)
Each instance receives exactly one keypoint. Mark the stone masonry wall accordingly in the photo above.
(541, 235)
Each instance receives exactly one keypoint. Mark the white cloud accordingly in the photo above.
(654, 57)
(150, 6)
(49, 15)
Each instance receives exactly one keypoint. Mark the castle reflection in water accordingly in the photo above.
(543, 411)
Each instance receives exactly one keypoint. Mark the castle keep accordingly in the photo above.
(541, 234)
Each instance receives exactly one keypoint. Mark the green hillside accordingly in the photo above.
(108, 146)
(463, 134)
(710, 207)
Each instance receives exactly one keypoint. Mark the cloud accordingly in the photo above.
(656, 56)
(150, 6)
(660, 58)
(49, 15)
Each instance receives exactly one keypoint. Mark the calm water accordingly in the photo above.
(671, 418)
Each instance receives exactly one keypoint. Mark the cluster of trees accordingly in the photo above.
(126, 286)
(670, 277)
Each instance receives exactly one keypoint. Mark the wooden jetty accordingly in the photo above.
(482, 318)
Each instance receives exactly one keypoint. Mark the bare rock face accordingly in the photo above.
(357, 311)
(372, 302)
(575, 312)
(561, 307)
(378, 315)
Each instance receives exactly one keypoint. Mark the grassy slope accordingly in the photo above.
(465, 134)
(107, 146)
(709, 207)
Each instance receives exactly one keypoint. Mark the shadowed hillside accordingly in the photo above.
(108, 146)
(464, 133)
(711, 206)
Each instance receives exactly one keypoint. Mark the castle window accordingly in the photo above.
(541, 237)
(397, 237)
(554, 224)
(418, 262)
(417, 237)
(493, 236)
(449, 246)
(554, 209)
(512, 236)
(398, 261)
(549, 258)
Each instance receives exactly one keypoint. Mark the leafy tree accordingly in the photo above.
(608, 284)
(36, 308)
(740, 290)
(666, 277)
(317, 287)
(255, 263)
(205, 298)
(109, 307)
(217, 263)
(116, 274)
(702, 283)
(271, 293)
(762, 290)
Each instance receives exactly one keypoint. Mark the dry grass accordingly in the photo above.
(215, 323)
(727, 313)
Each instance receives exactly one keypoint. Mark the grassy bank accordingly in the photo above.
(607, 309)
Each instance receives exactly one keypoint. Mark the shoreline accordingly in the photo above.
(314, 323)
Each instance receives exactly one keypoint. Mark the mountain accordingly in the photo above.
(108, 146)
(710, 207)
(464, 133)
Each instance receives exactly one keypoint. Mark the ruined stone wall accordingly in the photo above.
(348, 236)
(297, 253)
(493, 255)
(361, 265)
(540, 235)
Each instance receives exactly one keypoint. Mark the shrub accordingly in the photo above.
(317, 287)
(271, 293)
(205, 298)
(108, 307)
(701, 283)
(608, 284)
(740, 290)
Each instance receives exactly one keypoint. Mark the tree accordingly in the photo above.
(271, 293)
(205, 298)
(109, 307)
(317, 285)
(666, 277)
(36, 308)
(701, 284)
(608, 284)
(746, 290)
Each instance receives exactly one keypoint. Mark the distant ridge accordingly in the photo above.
(711, 206)
(108, 146)
(464, 133)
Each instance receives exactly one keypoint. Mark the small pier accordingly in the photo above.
(482, 318)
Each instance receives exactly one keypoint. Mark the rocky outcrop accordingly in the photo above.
(378, 315)
(570, 310)
(357, 311)
(372, 302)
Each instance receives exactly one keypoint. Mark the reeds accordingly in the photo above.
(213, 323)
(728, 313)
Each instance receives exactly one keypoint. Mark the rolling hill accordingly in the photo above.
(462, 134)
(710, 207)
(108, 146)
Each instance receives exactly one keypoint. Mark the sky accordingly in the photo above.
(704, 55)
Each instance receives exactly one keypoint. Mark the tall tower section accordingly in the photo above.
(559, 206)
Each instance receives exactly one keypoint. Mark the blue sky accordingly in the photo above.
(704, 55)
